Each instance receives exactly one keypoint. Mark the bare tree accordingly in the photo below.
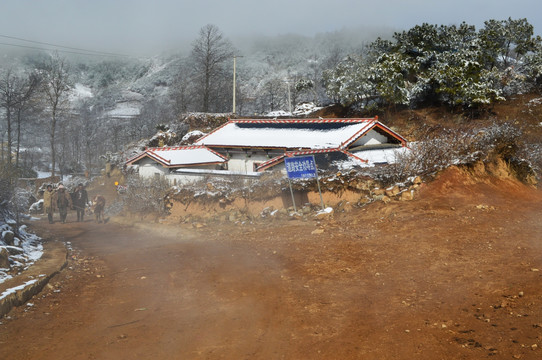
(10, 93)
(56, 85)
(28, 89)
(209, 54)
(273, 93)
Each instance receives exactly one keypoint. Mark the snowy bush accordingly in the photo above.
(442, 147)
(23, 248)
(146, 196)
(450, 65)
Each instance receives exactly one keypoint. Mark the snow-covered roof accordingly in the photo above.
(364, 158)
(180, 156)
(293, 133)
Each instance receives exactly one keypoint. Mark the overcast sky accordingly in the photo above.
(154, 25)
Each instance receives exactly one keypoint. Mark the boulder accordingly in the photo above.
(407, 195)
(327, 213)
(391, 192)
(4, 259)
(385, 199)
(8, 237)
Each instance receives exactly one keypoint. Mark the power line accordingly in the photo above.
(75, 50)
(62, 51)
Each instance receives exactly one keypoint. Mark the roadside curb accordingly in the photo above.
(18, 290)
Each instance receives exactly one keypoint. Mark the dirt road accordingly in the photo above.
(454, 274)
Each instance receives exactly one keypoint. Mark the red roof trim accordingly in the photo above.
(300, 121)
(159, 158)
(151, 152)
(358, 134)
(392, 133)
(309, 152)
(271, 162)
(379, 125)
(354, 156)
(135, 158)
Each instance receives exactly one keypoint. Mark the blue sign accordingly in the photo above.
(301, 167)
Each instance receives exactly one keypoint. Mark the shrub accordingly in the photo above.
(440, 148)
(146, 196)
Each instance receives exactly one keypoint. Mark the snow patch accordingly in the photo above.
(15, 289)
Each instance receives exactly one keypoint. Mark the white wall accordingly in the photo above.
(240, 163)
(149, 168)
(371, 138)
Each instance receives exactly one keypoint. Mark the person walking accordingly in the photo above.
(80, 200)
(63, 202)
(99, 207)
(48, 203)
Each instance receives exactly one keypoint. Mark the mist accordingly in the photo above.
(144, 27)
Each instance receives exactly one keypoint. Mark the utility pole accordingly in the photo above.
(234, 81)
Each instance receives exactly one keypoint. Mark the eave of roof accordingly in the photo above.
(153, 153)
(278, 159)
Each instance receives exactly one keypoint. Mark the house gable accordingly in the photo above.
(182, 156)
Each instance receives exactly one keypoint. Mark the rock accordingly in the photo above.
(325, 214)
(385, 199)
(306, 210)
(378, 191)
(407, 196)
(317, 231)
(347, 207)
(390, 192)
(479, 168)
(417, 180)
(15, 250)
(9, 237)
(4, 259)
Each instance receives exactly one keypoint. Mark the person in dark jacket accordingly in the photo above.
(63, 202)
(80, 200)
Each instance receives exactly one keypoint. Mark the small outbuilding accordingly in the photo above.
(157, 162)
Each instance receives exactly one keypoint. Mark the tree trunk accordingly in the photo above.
(18, 138)
(53, 129)
(10, 140)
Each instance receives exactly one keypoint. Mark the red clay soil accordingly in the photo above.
(453, 274)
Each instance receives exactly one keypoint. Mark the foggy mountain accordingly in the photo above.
(122, 99)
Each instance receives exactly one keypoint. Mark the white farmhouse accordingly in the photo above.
(245, 147)
(258, 145)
